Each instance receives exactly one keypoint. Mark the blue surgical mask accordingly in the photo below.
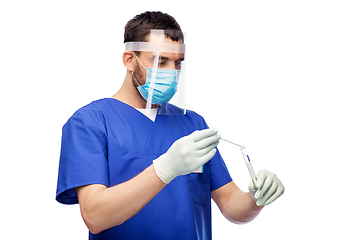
(165, 84)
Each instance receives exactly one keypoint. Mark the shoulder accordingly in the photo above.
(193, 114)
(90, 114)
(94, 108)
(196, 118)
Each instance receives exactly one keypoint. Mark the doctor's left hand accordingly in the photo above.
(267, 189)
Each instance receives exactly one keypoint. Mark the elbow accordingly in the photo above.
(239, 221)
(240, 217)
(91, 222)
(94, 208)
(94, 229)
(97, 222)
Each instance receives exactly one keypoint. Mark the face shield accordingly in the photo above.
(162, 56)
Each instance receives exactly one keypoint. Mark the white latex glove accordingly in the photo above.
(267, 188)
(187, 154)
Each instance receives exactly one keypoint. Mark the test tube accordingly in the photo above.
(247, 160)
(249, 165)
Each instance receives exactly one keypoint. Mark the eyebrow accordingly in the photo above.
(166, 58)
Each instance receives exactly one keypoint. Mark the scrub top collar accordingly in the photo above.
(150, 114)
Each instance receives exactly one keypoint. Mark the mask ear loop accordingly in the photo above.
(135, 80)
(133, 72)
(140, 62)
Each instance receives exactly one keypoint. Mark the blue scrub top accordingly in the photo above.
(108, 142)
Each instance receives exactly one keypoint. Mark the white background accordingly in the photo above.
(280, 77)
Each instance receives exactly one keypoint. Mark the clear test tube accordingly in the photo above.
(249, 165)
(247, 160)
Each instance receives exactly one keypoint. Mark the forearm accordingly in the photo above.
(241, 208)
(108, 207)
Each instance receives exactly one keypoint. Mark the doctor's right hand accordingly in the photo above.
(187, 154)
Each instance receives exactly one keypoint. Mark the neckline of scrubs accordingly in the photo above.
(146, 126)
(152, 114)
(136, 110)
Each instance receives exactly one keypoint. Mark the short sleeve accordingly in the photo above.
(219, 173)
(83, 157)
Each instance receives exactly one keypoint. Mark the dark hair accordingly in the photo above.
(138, 28)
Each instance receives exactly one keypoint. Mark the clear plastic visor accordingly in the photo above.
(162, 54)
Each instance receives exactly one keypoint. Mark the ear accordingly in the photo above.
(129, 60)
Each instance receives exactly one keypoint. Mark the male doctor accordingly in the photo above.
(142, 168)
